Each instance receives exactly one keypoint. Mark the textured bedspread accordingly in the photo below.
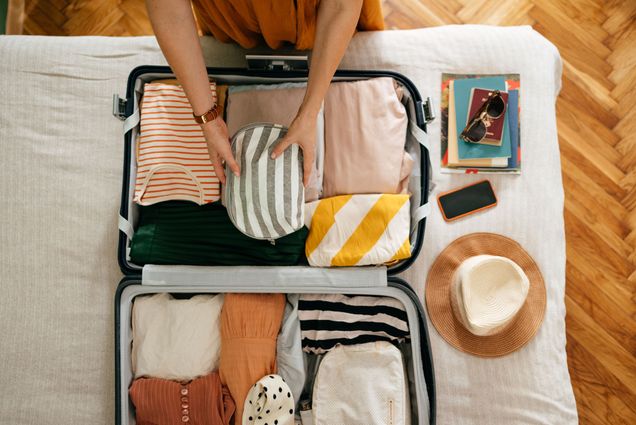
(61, 154)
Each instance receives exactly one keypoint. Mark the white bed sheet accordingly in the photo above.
(61, 153)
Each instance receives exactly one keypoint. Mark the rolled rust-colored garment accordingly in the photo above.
(203, 401)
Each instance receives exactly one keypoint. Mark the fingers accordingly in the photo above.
(218, 167)
(308, 165)
(219, 147)
(226, 153)
(281, 146)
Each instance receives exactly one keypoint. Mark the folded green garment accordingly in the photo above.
(177, 232)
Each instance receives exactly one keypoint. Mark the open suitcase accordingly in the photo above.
(190, 280)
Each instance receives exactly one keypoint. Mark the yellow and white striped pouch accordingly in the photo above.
(358, 230)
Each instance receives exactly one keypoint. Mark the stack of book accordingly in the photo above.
(500, 150)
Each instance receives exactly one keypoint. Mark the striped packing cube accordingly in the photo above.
(173, 162)
(266, 201)
(358, 230)
(328, 320)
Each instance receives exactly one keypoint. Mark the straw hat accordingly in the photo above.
(485, 295)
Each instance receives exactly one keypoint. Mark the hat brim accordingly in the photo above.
(438, 300)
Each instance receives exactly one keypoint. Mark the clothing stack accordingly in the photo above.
(360, 376)
(247, 359)
(356, 207)
(195, 360)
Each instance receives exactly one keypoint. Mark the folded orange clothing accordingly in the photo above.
(249, 22)
(173, 162)
(249, 327)
(203, 401)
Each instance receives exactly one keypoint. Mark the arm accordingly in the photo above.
(175, 28)
(336, 23)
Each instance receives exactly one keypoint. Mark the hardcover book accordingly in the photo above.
(452, 157)
(462, 95)
(494, 127)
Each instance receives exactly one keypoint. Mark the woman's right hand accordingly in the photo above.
(216, 135)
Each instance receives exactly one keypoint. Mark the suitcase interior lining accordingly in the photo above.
(410, 350)
(411, 145)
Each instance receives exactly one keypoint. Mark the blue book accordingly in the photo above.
(513, 123)
(462, 90)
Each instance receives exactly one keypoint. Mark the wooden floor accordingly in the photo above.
(597, 133)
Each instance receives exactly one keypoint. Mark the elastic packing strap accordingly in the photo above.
(419, 135)
(126, 227)
(421, 212)
(132, 121)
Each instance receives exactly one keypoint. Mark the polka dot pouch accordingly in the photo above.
(269, 402)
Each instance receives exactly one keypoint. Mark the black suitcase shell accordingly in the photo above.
(133, 273)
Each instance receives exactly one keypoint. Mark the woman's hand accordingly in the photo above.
(216, 136)
(176, 31)
(302, 132)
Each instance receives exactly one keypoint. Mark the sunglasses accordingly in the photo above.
(477, 126)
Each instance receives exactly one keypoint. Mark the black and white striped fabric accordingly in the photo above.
(332, 319)
(266, 201)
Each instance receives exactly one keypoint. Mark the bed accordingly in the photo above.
(60, 185)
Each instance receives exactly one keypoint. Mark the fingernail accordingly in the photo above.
(237, 174)
(273, 156)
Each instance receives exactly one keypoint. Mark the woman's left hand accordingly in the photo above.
(302, 132)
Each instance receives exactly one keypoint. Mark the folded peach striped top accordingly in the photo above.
(173, 162)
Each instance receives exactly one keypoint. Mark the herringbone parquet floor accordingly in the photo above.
(597, 132)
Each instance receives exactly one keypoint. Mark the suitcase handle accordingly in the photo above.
(277, 62)
(144, 184)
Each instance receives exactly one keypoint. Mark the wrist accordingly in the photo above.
(308, 111)
(212, 125)
(203, 104)
(202, 107)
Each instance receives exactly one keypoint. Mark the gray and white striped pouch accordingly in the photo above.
(266, 201)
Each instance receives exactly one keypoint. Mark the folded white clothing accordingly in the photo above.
(176, 339)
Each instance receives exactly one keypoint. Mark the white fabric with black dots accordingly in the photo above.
(269, 402)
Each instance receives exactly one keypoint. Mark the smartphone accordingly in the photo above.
(458, 203)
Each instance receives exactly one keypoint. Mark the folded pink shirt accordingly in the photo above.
(365, 134)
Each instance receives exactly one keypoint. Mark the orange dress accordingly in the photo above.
(275, 22)
(249, 328)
